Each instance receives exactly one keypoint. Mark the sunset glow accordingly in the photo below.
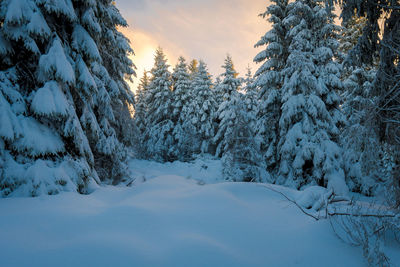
(194, 30)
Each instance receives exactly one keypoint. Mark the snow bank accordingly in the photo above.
(204, 170)
(168, 221)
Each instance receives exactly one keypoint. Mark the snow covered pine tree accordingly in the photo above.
(140, 118)
(269, 80)
(159, 136)
(182, 147)
(235, 139)
(310, 120)
(363, 152)
(200, 115)
(385, 86)
(250, 99)
(228, 89)
(62, 102)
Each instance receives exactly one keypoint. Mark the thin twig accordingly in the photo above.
(361, 215)
(294, 202)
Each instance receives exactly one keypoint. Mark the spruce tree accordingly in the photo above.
(364, 164)
(269, 79)
(250, 99)
(310, 120)
(199, 121)
(159, 136)
(385, 86)
(193, 68)
(351, 32)
(218, 92)
(181, 97)
(235, 138)
(359, 139)
(226, 113)
(140, 117)
(241, 160)
(63, 96)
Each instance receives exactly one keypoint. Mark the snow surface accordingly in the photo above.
(204, 169)
(169, 220)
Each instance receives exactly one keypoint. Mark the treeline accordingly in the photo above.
(183, 114)
(323, 107)
(312, 114)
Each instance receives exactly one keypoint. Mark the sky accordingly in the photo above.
(195, 29)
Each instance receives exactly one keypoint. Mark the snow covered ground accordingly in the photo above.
(169, 220)
(204, 169)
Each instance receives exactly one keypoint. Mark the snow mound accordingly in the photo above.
(204, 170)
(168, 221)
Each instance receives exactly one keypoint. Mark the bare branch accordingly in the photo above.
(294, 202)
(361, 215)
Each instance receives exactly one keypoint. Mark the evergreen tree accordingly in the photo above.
(362, 149)
(235, 138)
(226, 112)
(193, 68)
(63, 102)
(140, 117)
(241, 160)
(351, 32)
(199, 121)
(181, 97)
(250, 99)
(159, 132)
(219, 92)
(385, 87)
(269, 79)
(310, 118)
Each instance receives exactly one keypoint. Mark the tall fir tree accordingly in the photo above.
(363, 152)
(250, 99)
(269, 80)
(242, 160)
(385, 86)
(226, 114)
(159, 136)
(140, 117)
(218, 91)
(63, 100)
(310, 120)
(351, 32)
(181, 97)
(200, 116)
(193, 68)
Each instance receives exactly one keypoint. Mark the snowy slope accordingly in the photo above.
(170, 220)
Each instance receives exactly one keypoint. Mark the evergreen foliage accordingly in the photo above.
(385, 89)
(140, 117)
(159, 137)
(63, 96)
(250, 99)
(310, 120)
(242, 161)
(363, 153)
(269, 79)
(181, 97)
(229, 88)
(193, 68)
(201, 112)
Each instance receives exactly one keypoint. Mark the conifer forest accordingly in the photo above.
(293, 163)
